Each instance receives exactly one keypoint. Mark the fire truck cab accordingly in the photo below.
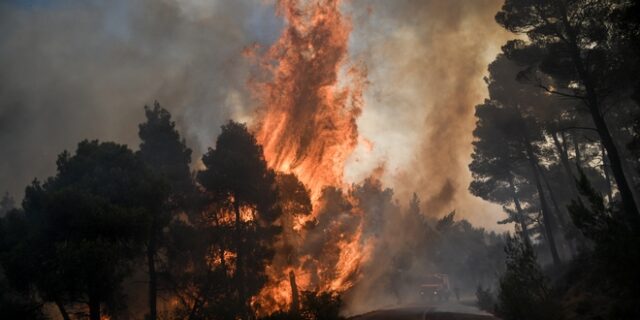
(435, 287)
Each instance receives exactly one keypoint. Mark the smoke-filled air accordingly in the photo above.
(319, 159)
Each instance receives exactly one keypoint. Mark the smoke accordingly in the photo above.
(72, 70)
(403, 247)
(426, 62)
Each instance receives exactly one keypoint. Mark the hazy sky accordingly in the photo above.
(71, 70)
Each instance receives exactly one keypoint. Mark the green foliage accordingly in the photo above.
(446, 222)
(168, 159)
(162, 149)
(80, 230)
(468, 254)
(594, 221)
(509, 130)
(243, 206)
(237, 173)
(524, 291)
(614, 260)
(581, 50)
(7, 203)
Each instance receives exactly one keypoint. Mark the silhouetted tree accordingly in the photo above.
(571, 41)
(168, 157)
(80, 228)
(524, 291)
(18, 297)
(511, 147)
(496, 163)
(612, 267)
(504, 156)
(468, 254)
(6, 204)
(294, 200)
(238, 180)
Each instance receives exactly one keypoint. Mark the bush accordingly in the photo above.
(524, 292)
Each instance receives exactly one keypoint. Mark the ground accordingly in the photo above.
(452, 310)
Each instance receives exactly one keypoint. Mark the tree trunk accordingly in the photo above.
(605, 170)
(547, 217)
(561, 214)
(593, 104)
(239, 272)
(628, 202)
(564, 160)
(576, 149)
(521, 217)
(151, 264)
(94, 307)
(295, 295)
(63, 310)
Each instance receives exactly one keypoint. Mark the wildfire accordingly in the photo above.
(307, 120)
(310, 98)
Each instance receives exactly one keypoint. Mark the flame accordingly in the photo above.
(307, 120)
(219, 259)
(310, 97)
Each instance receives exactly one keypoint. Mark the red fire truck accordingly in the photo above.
(435, 287)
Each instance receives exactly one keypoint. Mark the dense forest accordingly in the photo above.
(147, 232)
(556, 144)
(204, 239)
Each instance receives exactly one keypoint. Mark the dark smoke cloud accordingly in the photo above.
(426, 62)
(71, 70)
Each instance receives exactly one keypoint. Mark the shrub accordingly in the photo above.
(525, 293)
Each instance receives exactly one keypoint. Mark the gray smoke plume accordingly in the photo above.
(426, 62)
(72, 70)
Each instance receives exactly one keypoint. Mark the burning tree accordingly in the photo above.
(244, 190)
(169, 158)
(307, 125)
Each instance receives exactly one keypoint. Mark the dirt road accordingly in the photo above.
(430, 311)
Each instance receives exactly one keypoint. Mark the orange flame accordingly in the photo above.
(306, 122)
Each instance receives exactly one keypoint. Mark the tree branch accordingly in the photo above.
(547, 89)
(577, 128)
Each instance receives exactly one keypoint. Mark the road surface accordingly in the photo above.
(428, 311)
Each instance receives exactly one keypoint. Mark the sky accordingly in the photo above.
(73, 70)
